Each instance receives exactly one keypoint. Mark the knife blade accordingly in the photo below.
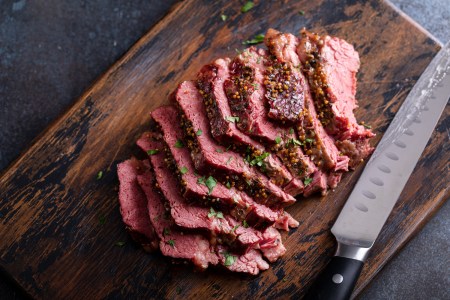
(383, 179)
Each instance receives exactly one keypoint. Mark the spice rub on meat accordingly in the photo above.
(237, 144)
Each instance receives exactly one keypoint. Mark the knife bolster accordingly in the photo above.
(351, 251)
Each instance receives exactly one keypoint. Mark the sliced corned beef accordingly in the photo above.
(210, 82)
(246, 95)
(273, 248)
(208, 156)
(242, 205)
(250, 262)
(330, 65)
(319, 146)
(174, 242)
(222, 227)
(133, 205)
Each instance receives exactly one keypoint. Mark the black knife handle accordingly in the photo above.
(337, 281)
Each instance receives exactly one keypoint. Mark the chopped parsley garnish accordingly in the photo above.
(229, 160)
(232, 119)
(247, 6)
(215, 214)
(179, 144)
(291, 131)
(228, 185)
(277, 140)
(366, 126)
(259, 160)
(166, 231)
(307, 181)
(199, 132)
(234, 228)
(119, 244)
(245, 224)
(295, 142)
(228, 148)
(302, 12)
(184, 170)
(99, 175)
(152, 151)
(171, 243)
(219, 150)
(201, 180)
(223, 17)
(310, 141)
(102, 220)
(210, 182)
(259, 38)
(229, 259)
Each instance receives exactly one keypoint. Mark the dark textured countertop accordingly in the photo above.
(51, 51)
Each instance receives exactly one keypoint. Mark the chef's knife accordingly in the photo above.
(383, 179)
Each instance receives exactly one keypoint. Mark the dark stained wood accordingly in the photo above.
(52, 242)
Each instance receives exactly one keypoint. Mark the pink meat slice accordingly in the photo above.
(133, 205)
(174, 242)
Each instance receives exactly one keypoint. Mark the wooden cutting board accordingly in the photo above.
(59, 224)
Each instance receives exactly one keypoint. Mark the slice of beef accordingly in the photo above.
(246, 95)
(250, 262)
(133, 205)
(221, 227)
(208, 156)
(174, 242)
(330, 65)
(318, 145)
(245, 92)
(210, 82)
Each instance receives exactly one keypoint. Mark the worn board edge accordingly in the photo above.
(130, 53)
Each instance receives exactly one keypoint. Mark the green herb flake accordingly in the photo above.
(102, 220)
(120, 244)
(232, 119)
(295, 142)
(245, 224)
(171, 243)
(184, 170)
(301, 13)
(199, 132)
(229, 160)
(234, 228)
(201, 180)
(247, 6)
(179, 144)
(229, 259)
(310, 141)
(259, 38)
(228, 148)
(255, 86)
(99, 175)
(166, 231)
(277, 140)
(366, 126)
(291, 131)
(228, 185)
(219, 150)
(259, 160)
(219, 215)
(224, 17)
(212, 213)
(152, 151)
(210, 182)
(307, 181)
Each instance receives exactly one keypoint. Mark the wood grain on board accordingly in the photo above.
(59, 224)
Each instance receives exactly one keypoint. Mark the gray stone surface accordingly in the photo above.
(52, 50)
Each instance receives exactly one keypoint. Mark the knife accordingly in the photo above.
(383, 179)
